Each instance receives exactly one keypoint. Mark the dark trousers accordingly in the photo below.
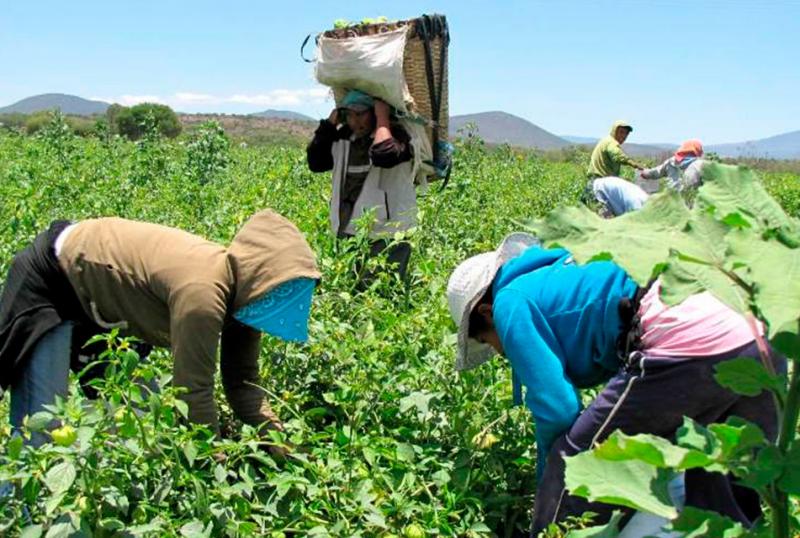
(652, 396)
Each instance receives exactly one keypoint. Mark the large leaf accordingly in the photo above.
(650, 449)
(698, 263)
(630, 483)
(747, 377)
(773, 270)
(60, 477)
(638, 241)
(729, 190)
(696, 523)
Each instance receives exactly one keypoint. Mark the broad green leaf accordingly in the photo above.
(693, 435)
(190, 451)
(698, 263)
(419, 400)
(405, 452)
(638, 241)
(747, 377)
(774, 272)
(31, 531)
(63, 529)
(735, 190)
(626, 483)
(609, 530)
(196, 529)
(14, 447)
(60, 477)
(650, 449)
(696, 523)
(737, 435)
(39, 421)
(767, 468)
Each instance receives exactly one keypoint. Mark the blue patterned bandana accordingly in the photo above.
(283, 311)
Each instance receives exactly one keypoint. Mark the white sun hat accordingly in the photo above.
(466, 287)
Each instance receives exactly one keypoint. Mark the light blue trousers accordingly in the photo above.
(618, 195)
(45, 376)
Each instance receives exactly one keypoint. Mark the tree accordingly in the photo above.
(130, 122)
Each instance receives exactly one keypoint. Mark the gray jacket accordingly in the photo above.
(680, 176)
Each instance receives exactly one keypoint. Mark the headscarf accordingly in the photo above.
(357, 101)
(283, 311)
(690, 148)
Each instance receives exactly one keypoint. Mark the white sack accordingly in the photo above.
(372, 64)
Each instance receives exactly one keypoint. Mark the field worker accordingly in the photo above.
(565, 326)
(683, 170)
(165, 286)
(615, 194)
(371, 160)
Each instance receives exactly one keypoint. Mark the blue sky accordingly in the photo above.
(722, 71)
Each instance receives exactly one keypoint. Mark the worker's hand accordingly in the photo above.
(382, 111)
(334, 116)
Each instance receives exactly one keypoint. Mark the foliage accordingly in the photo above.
(208, 153)
(739, 244)
(136, 121)
(390, 440)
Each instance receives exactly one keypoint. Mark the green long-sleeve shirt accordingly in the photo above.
(608, 157)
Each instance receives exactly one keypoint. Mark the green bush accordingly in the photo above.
(131, 121)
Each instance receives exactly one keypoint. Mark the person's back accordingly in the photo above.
(683, 170)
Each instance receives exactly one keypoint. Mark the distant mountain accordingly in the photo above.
(68, 104)
(283, 115)
(503, 128)
(580, 139)
(783, 146)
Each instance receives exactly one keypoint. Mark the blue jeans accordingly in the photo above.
(45, 375)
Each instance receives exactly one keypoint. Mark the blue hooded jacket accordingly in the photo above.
(558, 323)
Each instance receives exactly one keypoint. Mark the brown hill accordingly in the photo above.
(255, 129)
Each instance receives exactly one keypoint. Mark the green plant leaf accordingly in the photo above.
(629, 483)
(60, 477)
(650, 449)
(747, 377)
(696, 523)
(734, 192)
(638, 241)
(767, 467)
(31, 531)
(773, 270)
(196, 529)
(609, 530)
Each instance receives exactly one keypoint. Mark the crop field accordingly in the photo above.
(389, 440)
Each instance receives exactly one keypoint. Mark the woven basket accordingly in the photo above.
(414, 68)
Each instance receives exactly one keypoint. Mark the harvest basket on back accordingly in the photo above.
(403, 63)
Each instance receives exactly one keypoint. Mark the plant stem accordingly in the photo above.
(787, 434)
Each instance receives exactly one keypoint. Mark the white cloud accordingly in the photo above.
(273, 98)
(130, 100)
(188, 97)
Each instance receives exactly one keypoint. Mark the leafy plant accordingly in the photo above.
(388, 436)
(739, 244)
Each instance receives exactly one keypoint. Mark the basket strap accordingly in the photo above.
(425, 28)
(303, 46)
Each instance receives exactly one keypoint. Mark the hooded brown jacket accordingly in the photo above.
(174, 289)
